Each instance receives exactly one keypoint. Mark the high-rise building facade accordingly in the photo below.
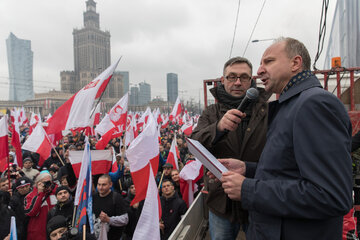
(172, 87)
(91, 57)
(134, 96)
(144, 93)
(125, 79)
(20, 63)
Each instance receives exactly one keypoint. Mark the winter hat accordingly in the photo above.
(54, 223)
(27, 159)
(168, 165)
(60, 188)
(22, 182)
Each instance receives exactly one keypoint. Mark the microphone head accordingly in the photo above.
(252, 93)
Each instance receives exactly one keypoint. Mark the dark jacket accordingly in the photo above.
(230, 146)
(303, 182)
(17, 205)
(172, 210)
(134, 215)
(65, 209)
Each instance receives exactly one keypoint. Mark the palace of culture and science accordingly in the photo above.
(91, 57)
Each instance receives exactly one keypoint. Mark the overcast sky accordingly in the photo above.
(189, 37)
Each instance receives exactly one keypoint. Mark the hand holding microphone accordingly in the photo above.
(232, 118)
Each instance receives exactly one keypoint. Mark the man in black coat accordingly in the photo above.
(21, 189)
(109, 208)
(65, 204)
(173, 208)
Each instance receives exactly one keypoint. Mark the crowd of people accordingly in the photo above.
(42, 197)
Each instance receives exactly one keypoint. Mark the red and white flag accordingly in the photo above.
(23, 119)
(189, 175)
(176, 111)
(165, 122)
(100, 161)
(34, 120)
(4, 143)
(75, 112)
(173, 154)
(114, 122)
(39, 143)
(15, 139)
(131, 132)
(143, 156)
(187, 128)
(143, 119)
(96, 117)
(183, 120)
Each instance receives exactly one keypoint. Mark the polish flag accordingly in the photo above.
(143, 156)
(114, 122)
(131, 132)
(23, 119)
(97, 115)
(176, 111)
(94, 120)
(38, 142)
(75, 112)
(165, 123)
(173, 154)
(187, 128)
(183, 120)
(4, 143)
(15, 140)
(34, 120)
(48, 117)
(157, 116)
(143, 119)
(189, 175)
(101, 161)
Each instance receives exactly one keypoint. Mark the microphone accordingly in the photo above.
(251, 95)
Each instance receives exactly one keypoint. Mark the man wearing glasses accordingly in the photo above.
(245, 140)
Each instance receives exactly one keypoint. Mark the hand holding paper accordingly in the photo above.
(206, 158)
(232, 184)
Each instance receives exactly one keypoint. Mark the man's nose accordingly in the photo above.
(260, 71)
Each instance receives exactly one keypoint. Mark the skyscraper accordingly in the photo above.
(20, 62)
(144, 93)
(91, 57)
(125, 79)
(172, 87)
(134, 96)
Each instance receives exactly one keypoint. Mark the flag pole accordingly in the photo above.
(9, 179)
(73, 218)
(84, 232)
(52, 146)
(162, 175)
(102, 94)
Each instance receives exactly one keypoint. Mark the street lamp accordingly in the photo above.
(260, 40)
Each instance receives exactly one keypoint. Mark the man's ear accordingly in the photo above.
(296, 63)
(222, 79)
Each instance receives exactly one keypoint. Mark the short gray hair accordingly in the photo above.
(294, 47)
(42, 175)
(236, 60)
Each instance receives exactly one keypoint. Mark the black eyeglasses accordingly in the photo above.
(243, 78)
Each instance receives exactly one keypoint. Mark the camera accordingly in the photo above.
(13, 175)
(14, 166)
(47, 184)
(71, 233)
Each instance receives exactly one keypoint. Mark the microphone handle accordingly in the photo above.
(242, 106)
